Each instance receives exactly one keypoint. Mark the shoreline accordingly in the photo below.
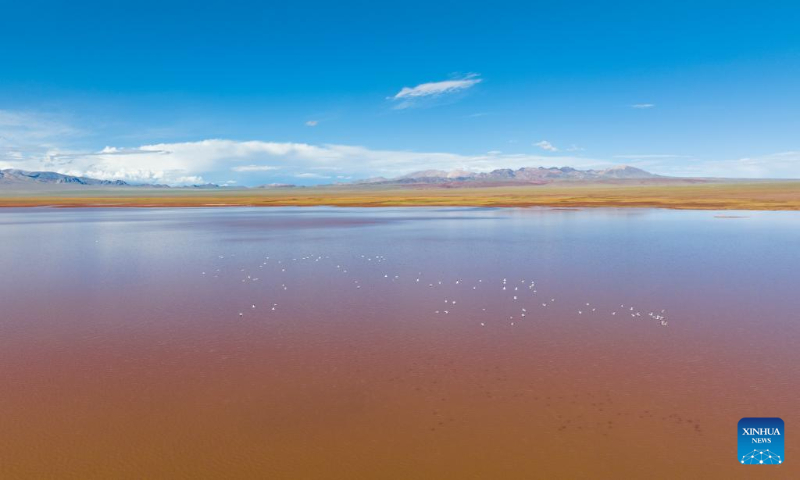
(575, 206)
(757, 196)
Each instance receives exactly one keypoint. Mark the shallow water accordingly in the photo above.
(130, 348)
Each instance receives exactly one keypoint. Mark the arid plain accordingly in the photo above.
(696, 195)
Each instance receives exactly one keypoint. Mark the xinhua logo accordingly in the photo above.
(761, 441)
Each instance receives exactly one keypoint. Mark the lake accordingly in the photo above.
(394, 343)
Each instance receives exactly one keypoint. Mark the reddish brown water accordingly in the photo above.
(123, 354)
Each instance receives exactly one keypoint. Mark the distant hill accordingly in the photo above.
(276, 185)
(21, 177)
(425, 178)
(504, 176)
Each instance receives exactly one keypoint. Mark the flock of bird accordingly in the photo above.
(522, 296)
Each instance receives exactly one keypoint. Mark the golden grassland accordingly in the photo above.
(756, 195)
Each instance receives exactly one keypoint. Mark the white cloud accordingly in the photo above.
(213, 160)
(310, 175)
(650, 156)
(407, 96)
(254, 168)
(437, 88)
(776, 165)
(32, 141)
(545, 145)
(21, 126)
(180, 163)
(190, 180)
(643, 105)
(312, 123)
(25, 135)
(783, 165)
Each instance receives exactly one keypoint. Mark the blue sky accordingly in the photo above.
(313, 92)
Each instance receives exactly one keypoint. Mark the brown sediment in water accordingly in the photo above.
(123, 354)
(698, 196)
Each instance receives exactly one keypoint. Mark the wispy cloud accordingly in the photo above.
(775, 165)
(437, 88)
(650, 156)
(33, 138)
(311, 175)
(312, 123)
(22, 126)
(25, 135)
(545, 145)
(643, 105)
(254, 168)
(784, 165)
(409, 96)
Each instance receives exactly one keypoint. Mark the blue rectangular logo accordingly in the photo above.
(761, 441)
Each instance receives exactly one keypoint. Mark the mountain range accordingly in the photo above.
(431, 178)
(527, 175)
(21, 177)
